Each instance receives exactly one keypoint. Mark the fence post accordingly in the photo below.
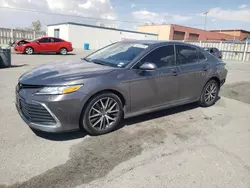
(245, 51)
(11, 35)
(220, 45)
(34, 34)
(200, 43)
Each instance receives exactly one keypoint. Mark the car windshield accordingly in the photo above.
(117, 54)
(34, 40)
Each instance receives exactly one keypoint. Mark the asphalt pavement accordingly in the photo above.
(185, 147)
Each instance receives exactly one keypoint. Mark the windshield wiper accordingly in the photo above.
(97, 61)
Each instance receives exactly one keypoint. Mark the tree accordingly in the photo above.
(36, 25)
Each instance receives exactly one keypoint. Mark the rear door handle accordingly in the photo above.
(174, 72)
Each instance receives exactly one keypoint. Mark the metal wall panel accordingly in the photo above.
(231, 50)
(11, 35)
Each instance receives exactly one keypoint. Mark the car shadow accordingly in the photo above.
(158, 114)
(126, 122)
(61, 136)
(17, 66)
(52, 53)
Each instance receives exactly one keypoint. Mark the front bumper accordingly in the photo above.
(19, 49)
(65, 110)
(52, 128)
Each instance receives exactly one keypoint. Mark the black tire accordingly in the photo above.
(205, 93)
(29, 50)
(87, 125)
(63, 51)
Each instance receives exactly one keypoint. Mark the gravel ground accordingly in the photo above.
(183, 147)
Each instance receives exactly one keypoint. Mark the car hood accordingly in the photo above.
(21, 42)
(64, 73)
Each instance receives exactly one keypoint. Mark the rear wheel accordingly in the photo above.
(209, 94)
(102, 114)
(29, 50)
(63, 51)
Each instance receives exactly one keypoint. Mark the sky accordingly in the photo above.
(127, 14)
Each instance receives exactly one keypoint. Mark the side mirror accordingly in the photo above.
(148, 66)
(37, 42)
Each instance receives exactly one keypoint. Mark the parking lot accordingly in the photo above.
(185, 147)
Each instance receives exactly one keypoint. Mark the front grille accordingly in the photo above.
(36, 113)
(25, 86)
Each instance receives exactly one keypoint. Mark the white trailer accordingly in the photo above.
(95, 36)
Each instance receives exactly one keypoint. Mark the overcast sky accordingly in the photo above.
(223, 14)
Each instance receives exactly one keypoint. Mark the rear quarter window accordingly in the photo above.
(58, 40)
(202, 57)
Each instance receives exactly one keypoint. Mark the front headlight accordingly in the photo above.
(58, 90)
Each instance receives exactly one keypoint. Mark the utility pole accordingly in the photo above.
(205, 26)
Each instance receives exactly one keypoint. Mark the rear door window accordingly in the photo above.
(58, 40)
(52, 40)
(186, 55)
(44, 40)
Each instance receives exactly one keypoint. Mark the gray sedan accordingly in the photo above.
(121, 80)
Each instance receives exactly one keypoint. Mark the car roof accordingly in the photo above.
(209, 48)
(155, 42)
(50, 37)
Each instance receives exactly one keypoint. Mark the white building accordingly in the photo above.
(95, 36)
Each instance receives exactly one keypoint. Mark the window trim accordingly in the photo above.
(163, 45)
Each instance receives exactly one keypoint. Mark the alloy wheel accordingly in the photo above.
(29, 50)
(211, 93)
(63, 51)
(104, 113)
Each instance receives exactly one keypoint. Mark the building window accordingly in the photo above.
(57, 33)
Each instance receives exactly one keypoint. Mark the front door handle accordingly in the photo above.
(205, 68)
(174, 72)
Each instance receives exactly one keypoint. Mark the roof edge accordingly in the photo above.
(100, 27)
(230, 30)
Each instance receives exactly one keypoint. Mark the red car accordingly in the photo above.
(44, 44)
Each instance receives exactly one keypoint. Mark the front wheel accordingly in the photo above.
(29, 50)
(102, 114)
(63, 51)
(209, 94)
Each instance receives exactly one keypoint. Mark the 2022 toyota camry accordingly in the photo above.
(121, 80)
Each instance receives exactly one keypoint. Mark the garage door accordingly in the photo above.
(178, 35)
(193, 36)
